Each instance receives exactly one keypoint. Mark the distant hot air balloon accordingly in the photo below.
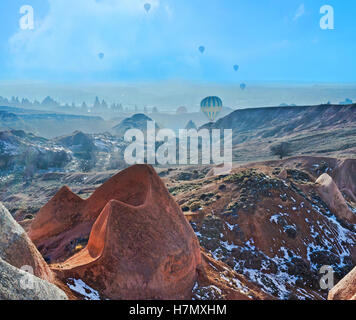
(201, 49)
(211, 107)
(147, 7)
(243, 86)
(101, 56)
(236, 67)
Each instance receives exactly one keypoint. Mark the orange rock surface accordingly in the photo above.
(67, 217)
(140, 245)
(345, 289)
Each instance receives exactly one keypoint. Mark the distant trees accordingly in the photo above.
(282, 150)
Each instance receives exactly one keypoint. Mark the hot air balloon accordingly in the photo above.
(201, 49)
(236, 67)
(101, 56)
(147, 7)
(211, 107)
(243, 86)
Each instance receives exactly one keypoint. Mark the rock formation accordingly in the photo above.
(67, 218)
(137, 121)
(344, 176)
(17, 249)
(217, 281)
(17, 255)
(259, 233)
(140, 245)
(345, 289)
(332, 196)
(191, 125)
(16, 284)
(276, 232)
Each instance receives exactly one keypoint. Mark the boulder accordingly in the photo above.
(16, 284)
(283, 175)
(331, 195)
(17, 249)
(345, 289)
(344, 176)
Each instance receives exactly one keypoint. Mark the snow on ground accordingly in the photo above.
(82, 288)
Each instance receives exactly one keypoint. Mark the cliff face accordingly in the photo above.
(327, 130)
(277, 121)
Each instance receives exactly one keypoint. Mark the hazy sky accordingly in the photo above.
(271, 40)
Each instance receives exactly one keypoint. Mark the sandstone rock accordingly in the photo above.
(283, 175)
(219, 170)
(17, 249)
(332, 196)
(141, 246)
(345, 289)
(57, 216)
(67, 217)
(344, 176)
(16, 284)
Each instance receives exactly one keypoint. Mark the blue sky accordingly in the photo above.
(271, 40)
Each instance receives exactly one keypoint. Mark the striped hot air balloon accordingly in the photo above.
(211, 107)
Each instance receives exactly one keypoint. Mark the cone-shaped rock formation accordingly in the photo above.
(140, 245)
(332, 196)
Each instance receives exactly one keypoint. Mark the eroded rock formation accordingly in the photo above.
(17, 249)
(345, 289)
(140, 244)
(332, 196)
(24, 275)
